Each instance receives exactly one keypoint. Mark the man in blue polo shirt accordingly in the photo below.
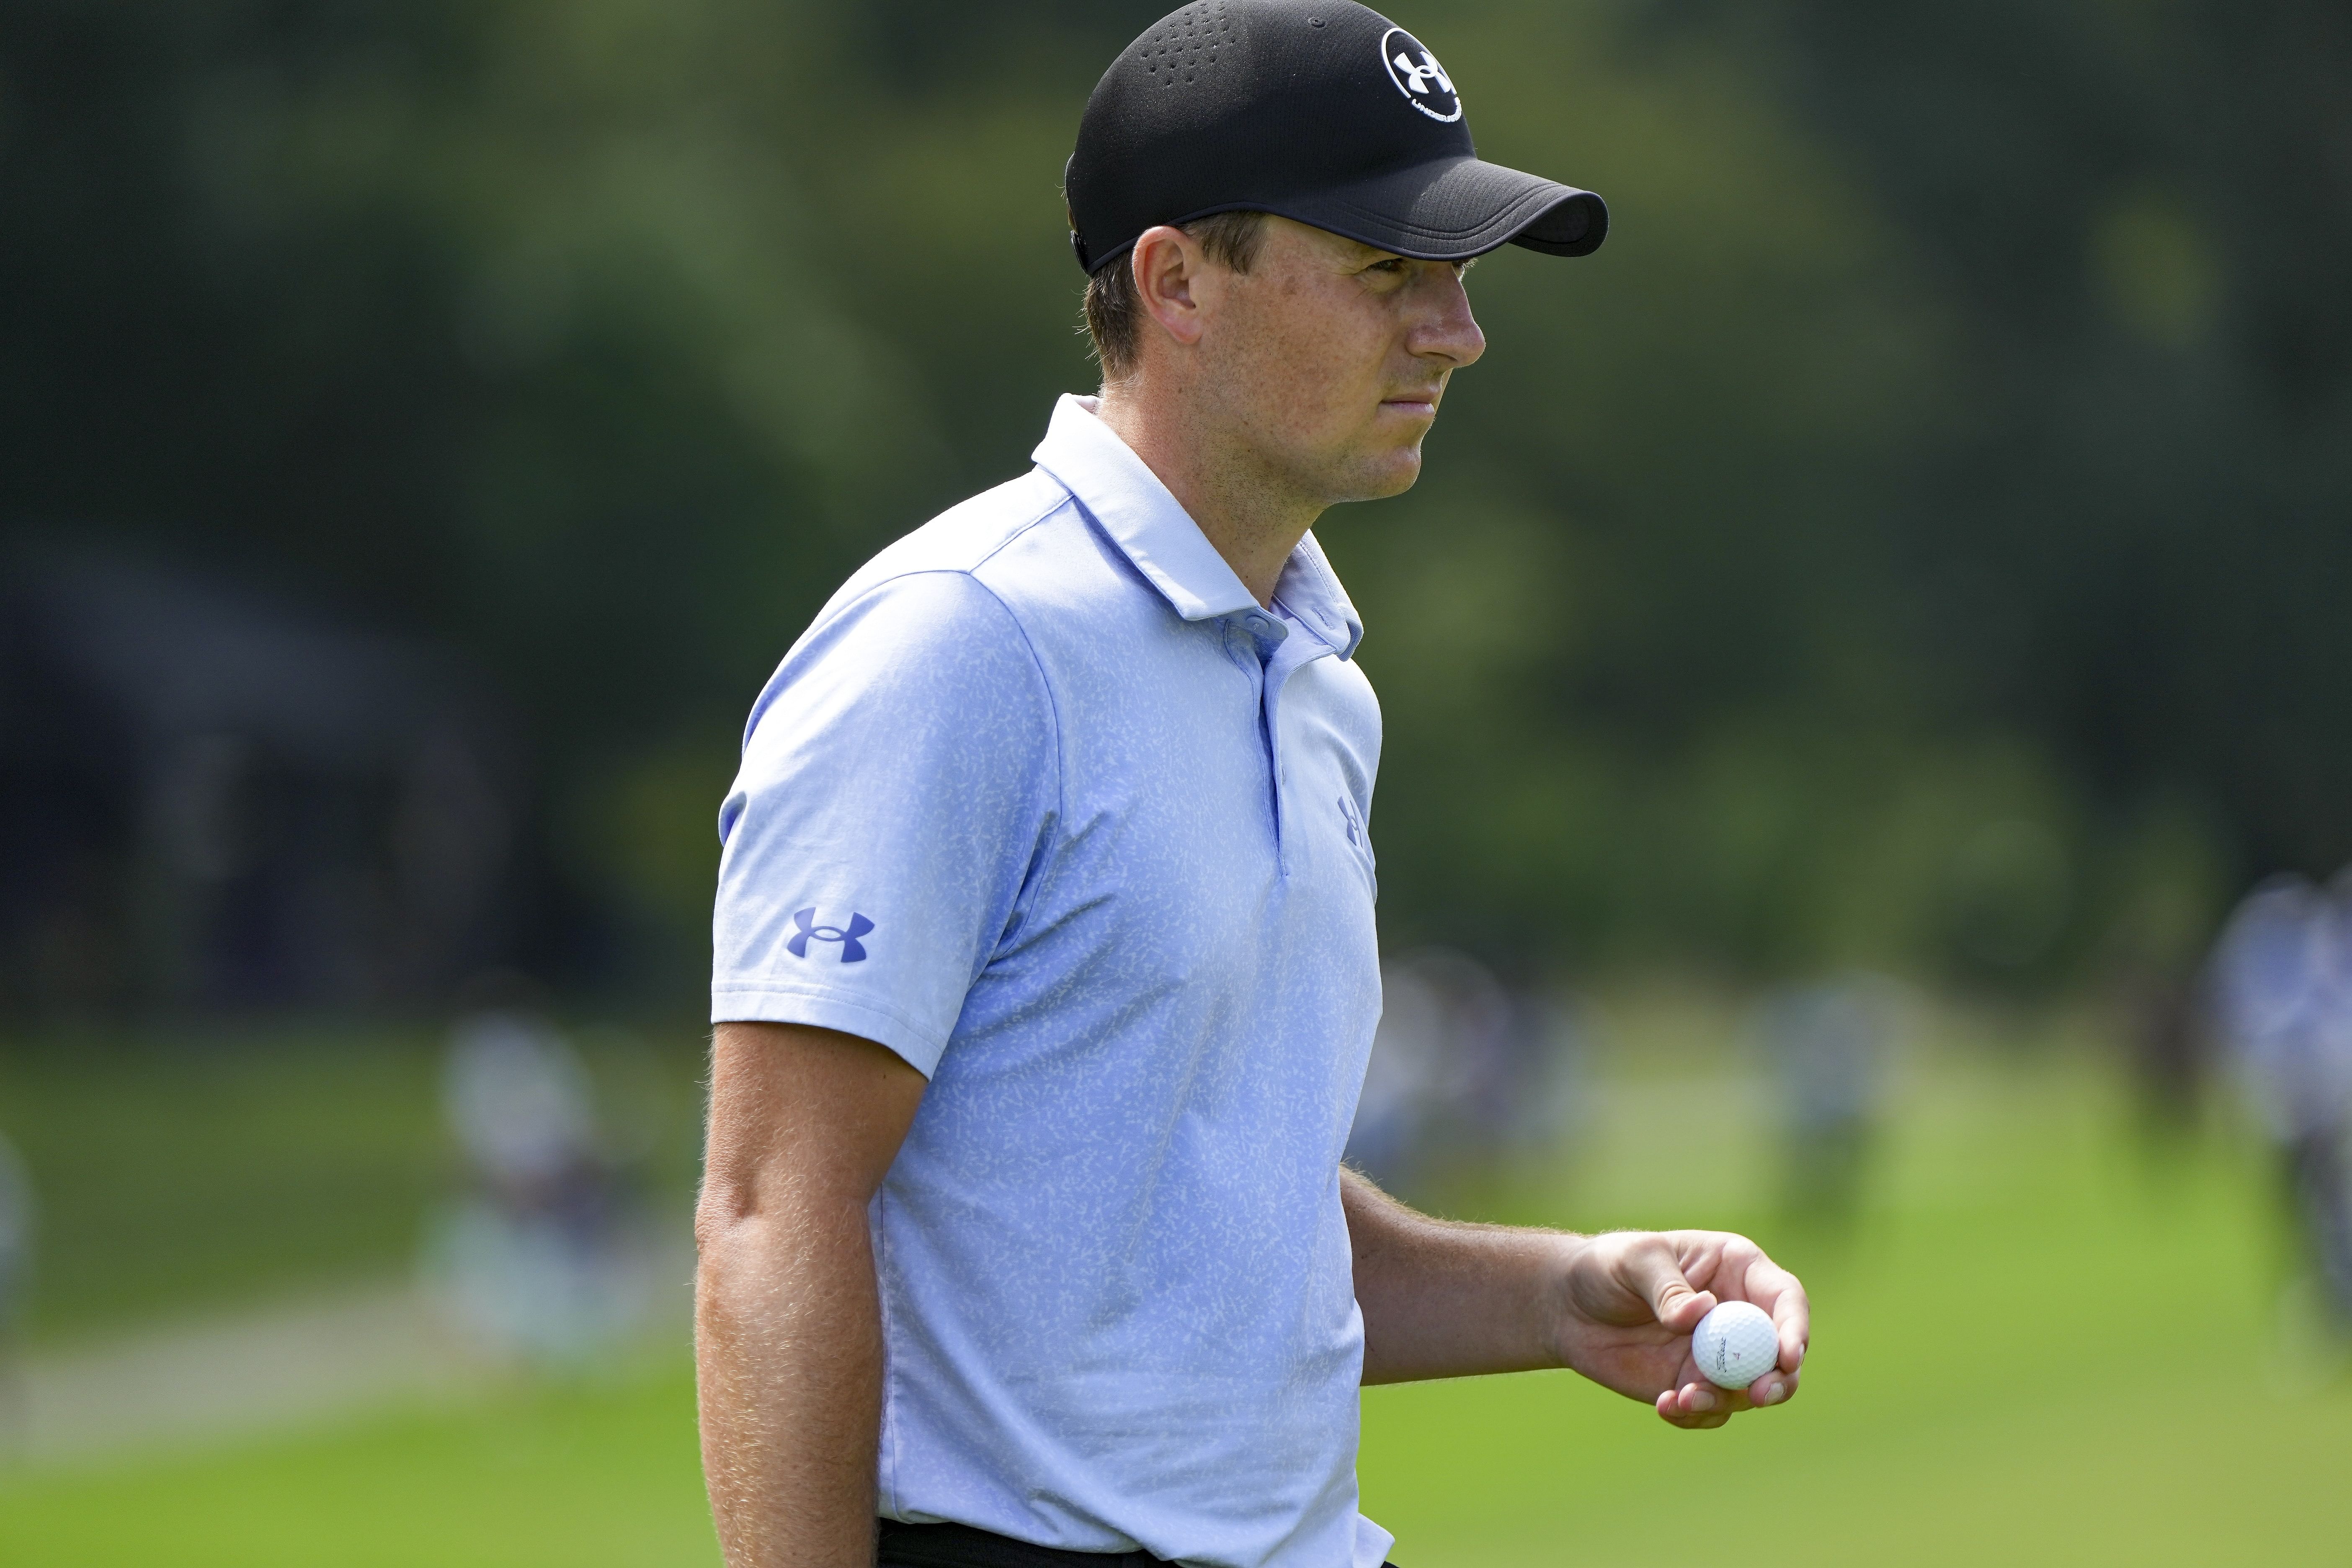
(1045, 959)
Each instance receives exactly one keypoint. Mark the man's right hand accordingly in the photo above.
(804, 1123)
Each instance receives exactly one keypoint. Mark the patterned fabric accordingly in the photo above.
(1048, 805)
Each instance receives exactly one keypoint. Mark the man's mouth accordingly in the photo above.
(1413, 401)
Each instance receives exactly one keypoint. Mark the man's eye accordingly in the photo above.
(1394, 264)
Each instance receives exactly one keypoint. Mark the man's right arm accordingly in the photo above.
(788, 1334)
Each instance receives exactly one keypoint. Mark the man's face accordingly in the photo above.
(1327, 359)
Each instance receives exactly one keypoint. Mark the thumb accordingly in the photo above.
(1655, 1274)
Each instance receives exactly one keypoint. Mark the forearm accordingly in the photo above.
(1445, 1299)
(788, 1349)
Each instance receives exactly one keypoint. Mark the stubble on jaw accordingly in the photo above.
(1281, 362)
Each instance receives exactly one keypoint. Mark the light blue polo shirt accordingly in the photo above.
(1044, 802)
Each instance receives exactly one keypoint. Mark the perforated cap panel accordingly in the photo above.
(1323, 111)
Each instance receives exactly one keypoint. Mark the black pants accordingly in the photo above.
(960, 1546)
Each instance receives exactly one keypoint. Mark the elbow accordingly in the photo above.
(761, 1212)
(722, 1211)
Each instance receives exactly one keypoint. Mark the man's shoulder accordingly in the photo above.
(962, 540)
(1026, 542)
(921, 626)
(968, 534)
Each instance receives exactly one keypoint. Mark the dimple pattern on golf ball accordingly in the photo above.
(1735, 1344)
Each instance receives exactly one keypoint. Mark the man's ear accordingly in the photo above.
(1169, 265)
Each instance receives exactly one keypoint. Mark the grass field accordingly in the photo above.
(2045, 1342)
(180, 1173)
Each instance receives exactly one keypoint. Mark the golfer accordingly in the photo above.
(1044, 969)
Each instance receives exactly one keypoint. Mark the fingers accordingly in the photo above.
(1632, 1279)
(1699, 1405)
(1696, 1406)
(1775, 1291)
(1792, 1314)
(1739, 1272)
(1652, 1269)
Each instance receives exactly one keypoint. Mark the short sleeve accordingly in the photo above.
(900, 777)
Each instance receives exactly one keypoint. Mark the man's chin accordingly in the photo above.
(1366, 475)
(1393, 475)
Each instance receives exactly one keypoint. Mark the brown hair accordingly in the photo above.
(1114, 312)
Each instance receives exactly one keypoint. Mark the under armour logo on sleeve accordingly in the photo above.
(852, 949)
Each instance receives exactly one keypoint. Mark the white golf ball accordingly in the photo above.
(1736, 1344)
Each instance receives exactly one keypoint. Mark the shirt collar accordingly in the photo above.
(1160, 537)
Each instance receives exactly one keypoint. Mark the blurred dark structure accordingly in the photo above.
(209, 801)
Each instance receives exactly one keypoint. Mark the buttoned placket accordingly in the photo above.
(1265, 647)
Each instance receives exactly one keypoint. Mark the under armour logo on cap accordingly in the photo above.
(1419, 76)
(852, 949)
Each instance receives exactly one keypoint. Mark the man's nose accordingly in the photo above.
(1449, 331)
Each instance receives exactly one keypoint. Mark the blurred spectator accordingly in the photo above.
(1461, 1067)
(16, 1284)
(545, 1259)
(2167, 1039)
(1827, 1045)
(2170, 897)
(2283, 998)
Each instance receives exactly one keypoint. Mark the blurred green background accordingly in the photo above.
(1917, 541)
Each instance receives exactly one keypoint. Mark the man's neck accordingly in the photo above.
(1240, 506)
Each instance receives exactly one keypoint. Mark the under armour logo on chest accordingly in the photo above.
(852, 949)
(1353, 823)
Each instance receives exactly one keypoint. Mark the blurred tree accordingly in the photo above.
(2131, 535)
(1923, 514)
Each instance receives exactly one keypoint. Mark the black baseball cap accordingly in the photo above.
(1321, 110)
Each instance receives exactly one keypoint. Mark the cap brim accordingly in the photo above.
(1453, 209)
